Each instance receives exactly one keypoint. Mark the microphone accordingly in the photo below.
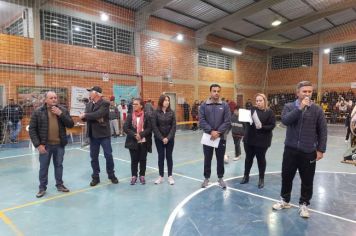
(306, 107)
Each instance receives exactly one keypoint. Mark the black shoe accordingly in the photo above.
(261, 183)
(41, 193)
(62, 188)
(94, 181)
(245, 180)
(114, 180)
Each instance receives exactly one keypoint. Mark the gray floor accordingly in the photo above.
(181, 209)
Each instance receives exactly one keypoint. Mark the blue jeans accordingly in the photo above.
(57, 151)
(165, 151)
(208, 156)
(15, 129)
(94, 154)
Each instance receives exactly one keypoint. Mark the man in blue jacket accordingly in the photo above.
(305, 144)
(214, 119)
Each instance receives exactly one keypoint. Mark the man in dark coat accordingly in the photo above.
(48, 134)
(98, 130)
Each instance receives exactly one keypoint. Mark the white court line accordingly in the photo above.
(173, 215)
(30, 154)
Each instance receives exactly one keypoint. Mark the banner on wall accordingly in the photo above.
(77, 105)
(353, 84)
(124, 92)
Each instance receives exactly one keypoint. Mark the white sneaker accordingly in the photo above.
(226, 159)
(236, 158)
(303, 211)
(159, 180)
(281, 205)
(170, 180)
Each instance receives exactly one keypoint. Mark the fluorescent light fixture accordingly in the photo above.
(231, 50)
(180, 37)
(104, 17)
(276, 23)
(77, 28)
(55, 24)
(341, 58)
(326, 50)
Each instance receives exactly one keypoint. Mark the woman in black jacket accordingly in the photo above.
(258, 137)
(164, 129)
(139, 139)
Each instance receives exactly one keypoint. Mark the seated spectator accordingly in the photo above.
(13, 114)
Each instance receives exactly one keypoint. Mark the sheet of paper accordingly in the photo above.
(206, 140)
(256, 120)
(245, 116)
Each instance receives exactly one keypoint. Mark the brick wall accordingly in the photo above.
(14, 49)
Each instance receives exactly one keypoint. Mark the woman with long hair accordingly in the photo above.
(164, 129)
(139, 139)
(258, 137)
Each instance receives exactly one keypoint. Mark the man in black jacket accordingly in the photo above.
(304, 145)
(98, 130)
(48, 134)
(13, 114)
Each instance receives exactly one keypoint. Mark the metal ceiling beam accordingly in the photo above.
(144, 13)
(333, 9)
(202, 33)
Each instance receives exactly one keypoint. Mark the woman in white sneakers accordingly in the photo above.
(164, 129)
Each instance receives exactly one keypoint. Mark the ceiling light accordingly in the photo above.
(55, 24)
(276, 23)
(231, 50)
(326, 50)
(180, 37)
(341, 58)
(76, 28)
(104, 17)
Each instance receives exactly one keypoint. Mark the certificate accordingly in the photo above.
(206, 140)
(245, 116)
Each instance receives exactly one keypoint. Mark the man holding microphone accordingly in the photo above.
(305, 144)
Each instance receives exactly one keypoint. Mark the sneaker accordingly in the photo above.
(170, 180)
(142, 180)
(281, 205)
(236, 158)
(133, 180)
(303, 211)
(159, 180)
(346, 140)
(222, 183)
(62, 188)
(226, 159)
(41, 193)
(113, 179)
(205, 183)
(94, 182)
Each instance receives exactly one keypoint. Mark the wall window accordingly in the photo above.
(343, 55)
(214, 60)
(70, 30)
(16, 28)
(293, 60)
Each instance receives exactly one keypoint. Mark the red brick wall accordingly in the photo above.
(15, 49)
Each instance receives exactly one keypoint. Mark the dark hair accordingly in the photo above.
(214, 85)
(304, 83)
(161, 100)
(142, 103)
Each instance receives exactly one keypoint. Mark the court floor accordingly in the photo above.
(181, 209)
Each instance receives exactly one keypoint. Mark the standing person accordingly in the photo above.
(113, 117)
(13, 114)
(98, 127)
(186, 109)
(164, 129)
(237, 131)
(123, 110)
(258, 138)
(214, 119)
(305, 144)
(148, 107)
(139, 139)
(48, 134)
(195, 114)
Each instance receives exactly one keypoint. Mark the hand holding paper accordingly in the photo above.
(256, 120)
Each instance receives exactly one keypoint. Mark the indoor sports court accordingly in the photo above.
(128, 49)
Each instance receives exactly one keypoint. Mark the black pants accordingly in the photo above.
(139, 155)
(208, 156)
(237, 141)
(260, 153)
(294, 160)
(348, 132)
(164, 152)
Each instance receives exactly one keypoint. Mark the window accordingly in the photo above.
(69, 30)
(214, 60)
(16, 28)
(294, 60)
(343, 55)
